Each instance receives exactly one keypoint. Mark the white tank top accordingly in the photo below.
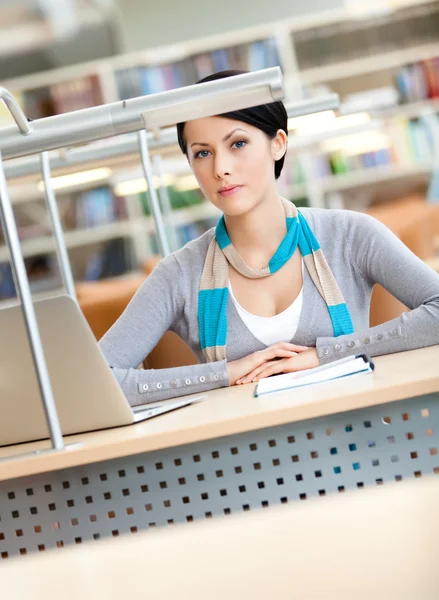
(270, 330)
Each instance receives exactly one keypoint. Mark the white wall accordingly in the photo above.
(148, 23)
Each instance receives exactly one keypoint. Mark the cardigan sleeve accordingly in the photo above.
(152, 311)
(380, 257)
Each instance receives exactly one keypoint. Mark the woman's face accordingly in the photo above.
(233, 162)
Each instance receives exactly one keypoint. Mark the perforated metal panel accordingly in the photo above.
(242, 472)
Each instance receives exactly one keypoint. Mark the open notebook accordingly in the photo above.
(351, 365)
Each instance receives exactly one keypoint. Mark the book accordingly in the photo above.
(345, 367)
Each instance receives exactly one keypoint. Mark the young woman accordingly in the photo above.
(271, 289)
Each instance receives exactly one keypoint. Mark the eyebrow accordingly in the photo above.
(227, 137)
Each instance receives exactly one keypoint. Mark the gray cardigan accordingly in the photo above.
(360, 251)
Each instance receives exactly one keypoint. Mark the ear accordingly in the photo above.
(279, 144)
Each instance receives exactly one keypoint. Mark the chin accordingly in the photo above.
(235, 210)
(235, 207)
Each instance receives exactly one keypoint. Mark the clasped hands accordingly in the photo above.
(274, 360)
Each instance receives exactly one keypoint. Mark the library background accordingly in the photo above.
(338, 479)
(379, 153)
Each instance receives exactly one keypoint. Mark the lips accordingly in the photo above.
(229, 190)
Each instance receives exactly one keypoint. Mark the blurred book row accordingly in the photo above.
(141, 80)
(63, 97)
(419, 81)
(84, 92)
(83, 210)
(92, 208)
(183, 232)
(110, 259)
(93, 260)
(401, 143)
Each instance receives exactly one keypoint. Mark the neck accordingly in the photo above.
(257, 234)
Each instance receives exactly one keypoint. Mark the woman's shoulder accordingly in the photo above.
(323, 216)
(348, 232)
(193, 254)
(325, 222)
(184, 266)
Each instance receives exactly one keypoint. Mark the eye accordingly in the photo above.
(239, 144)
(202, 154)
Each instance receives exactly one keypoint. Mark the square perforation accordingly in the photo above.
(289, 463)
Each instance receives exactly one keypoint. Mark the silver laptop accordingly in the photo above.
(86, 393)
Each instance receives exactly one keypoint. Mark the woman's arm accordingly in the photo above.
(379, 256)
(152, 311)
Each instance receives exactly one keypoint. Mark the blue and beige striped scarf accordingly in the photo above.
(213, 294)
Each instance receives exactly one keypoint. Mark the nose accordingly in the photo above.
(222, 165)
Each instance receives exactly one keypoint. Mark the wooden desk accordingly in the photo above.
(379, 543)
(230, 453)
(229, 411)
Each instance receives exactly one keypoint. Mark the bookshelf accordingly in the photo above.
(103, 233)
(349, 47)
(373, 176)
(318, 53)
(411, 110)
(99, 228)
(142, 80)
(368, 64)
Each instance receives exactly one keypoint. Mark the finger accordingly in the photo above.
(274, 369)
(263, 356)
(262, 368)
(272, 353)
(279, 364)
